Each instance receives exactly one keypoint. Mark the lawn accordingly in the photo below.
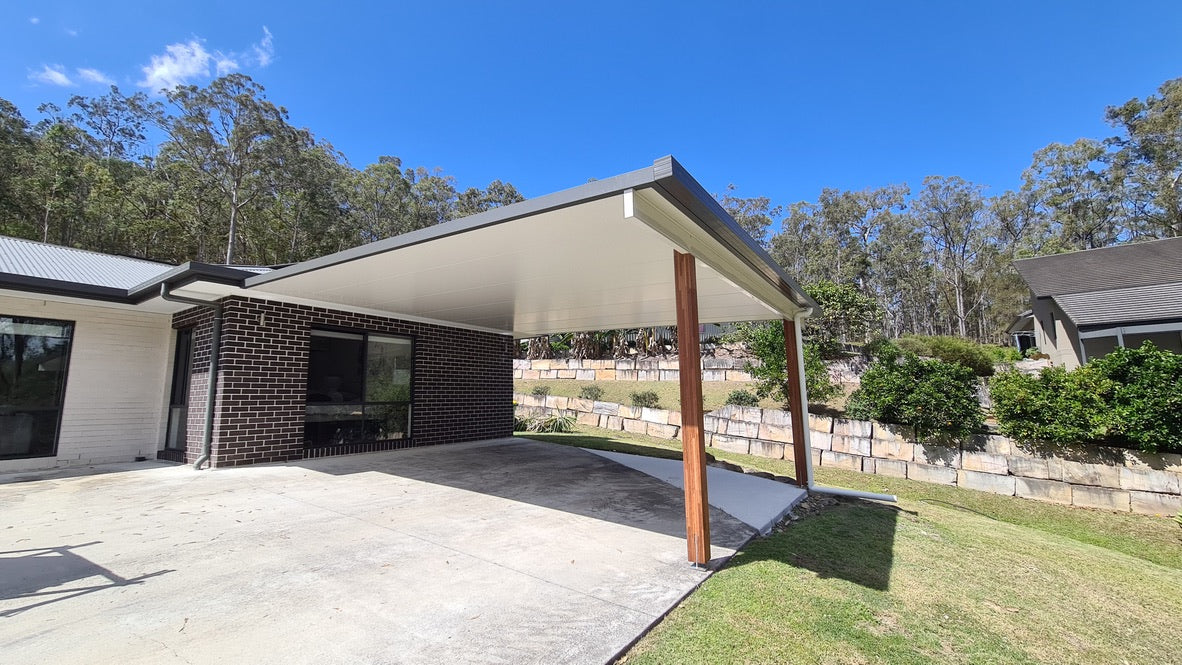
(713, 392)
(946, 576)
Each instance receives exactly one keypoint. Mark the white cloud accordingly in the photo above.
(264, 51)
(34, 20)
(71, 32)
(225, 64)
(176, 66)
(53, 75)
(94, 76)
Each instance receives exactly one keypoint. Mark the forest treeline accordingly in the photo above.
(219, 174)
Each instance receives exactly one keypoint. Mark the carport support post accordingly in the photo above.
(693, 439)
(796, 406)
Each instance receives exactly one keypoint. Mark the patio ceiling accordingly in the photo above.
(596, 257)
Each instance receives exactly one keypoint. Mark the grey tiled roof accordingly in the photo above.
(1140, 304)
(35, 259)
(1117, 267)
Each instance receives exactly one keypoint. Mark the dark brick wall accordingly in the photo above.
(463, 379)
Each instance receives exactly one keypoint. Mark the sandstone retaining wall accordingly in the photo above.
(1107, 478)
(647, 369)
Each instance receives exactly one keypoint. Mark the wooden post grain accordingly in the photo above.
(693, 440)
(796, 405)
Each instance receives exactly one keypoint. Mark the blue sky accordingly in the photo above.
(780, 99)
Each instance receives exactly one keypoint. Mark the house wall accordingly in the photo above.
(463, 379)
(116, 384)
(1055, 334)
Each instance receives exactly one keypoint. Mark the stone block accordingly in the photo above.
(611, 422)
(520, 363)
(542, 364)
(1100, 497)
(751, 414)
(606, 408)
(648, 375)
(820, 423)
(821, 440)
(893, 449)
(1043, 490)
(565, 373)
(633, 412)
(1150, 480)
(889, 467)
(516, 374)
(999, 445)
(742, 428)
(816, 455)
(530, 375)
(662, 431)
(985, 463)
(556, 402)
(625, 364)
(548, 374)
(670, 375)
(585, 374)
(847, 427)
(714, 375)
(737, 375)
(625, 375)
(668, 364)
(646, 364)
(777, 417)
(1159, 461)
(985, 482)
(837, 460)
(933, 455)
(717, 363)
(532, 400)
(930, 473)
(1029, 467)
(1088, 473)
(660, 416)
(775, 433)
(712, 424)
(732, 444)
(588, 419)
(634, 426)
(769, 449)
(853, 445)
(605, 375)
(675, 418)
(899, 433)
(1155, 503)
(576, 404)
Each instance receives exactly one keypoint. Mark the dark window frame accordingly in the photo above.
(365, 335)
(64, 379)
(186, 387)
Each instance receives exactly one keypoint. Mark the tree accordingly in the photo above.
(847, 316)
(1077, 194)
(756, 215)
(1148, 158)
(498, 194)
(952, 213)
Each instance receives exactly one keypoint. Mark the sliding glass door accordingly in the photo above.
(34, 357)
(359, 388)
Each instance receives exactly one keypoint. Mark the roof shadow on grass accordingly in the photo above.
(547, 475)
(853, 541)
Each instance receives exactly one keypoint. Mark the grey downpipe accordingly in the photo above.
(808, 444)
(215, 348)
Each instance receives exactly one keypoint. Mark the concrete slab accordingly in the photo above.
(757, 502)
(509, 551)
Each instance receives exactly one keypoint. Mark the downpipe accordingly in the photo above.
(215, 342)
(808, 444)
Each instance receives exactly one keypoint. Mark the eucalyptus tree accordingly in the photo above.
(1148, 158)
(1080, 197)
(756, 214)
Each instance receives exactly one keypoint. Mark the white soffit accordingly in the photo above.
(594, 265)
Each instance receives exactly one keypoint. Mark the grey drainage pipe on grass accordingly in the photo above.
(215, 347)
(808, 444)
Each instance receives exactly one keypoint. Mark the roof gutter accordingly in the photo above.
(215, 347)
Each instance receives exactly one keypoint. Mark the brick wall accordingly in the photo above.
(463, 380)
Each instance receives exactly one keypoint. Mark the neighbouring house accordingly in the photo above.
(1085, 304)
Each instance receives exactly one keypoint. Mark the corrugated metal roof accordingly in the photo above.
(1139, 304)
(1117, 267)
(35, 259)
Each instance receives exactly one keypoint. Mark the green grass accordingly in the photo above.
(946, 576)
(713, 392)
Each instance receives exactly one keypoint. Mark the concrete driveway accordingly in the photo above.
(507, 551)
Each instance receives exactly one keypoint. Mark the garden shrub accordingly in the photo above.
(766, 342)
(968, 353)
(931, 396)
(594, 393)
(554, 424)
(646, 398)
(1130, 398)
(742, 398)
(540, 391)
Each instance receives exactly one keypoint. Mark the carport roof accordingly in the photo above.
(594, 257)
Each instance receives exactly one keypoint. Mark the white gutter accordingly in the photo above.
(808, 444)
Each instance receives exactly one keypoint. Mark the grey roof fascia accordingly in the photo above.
(699, 205)
(187, 273)
(597, 189)
(57, 287)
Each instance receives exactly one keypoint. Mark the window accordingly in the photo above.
(34, 355)
(178, 402)
(359, 388)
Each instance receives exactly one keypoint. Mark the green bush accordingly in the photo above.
(594, 393)
(554, 424)
(646, 398)
(540, 391)
(1130, 398)
(951, 350)
(766, 342)
(1002, 354)
(742, 398)
(931, 396)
